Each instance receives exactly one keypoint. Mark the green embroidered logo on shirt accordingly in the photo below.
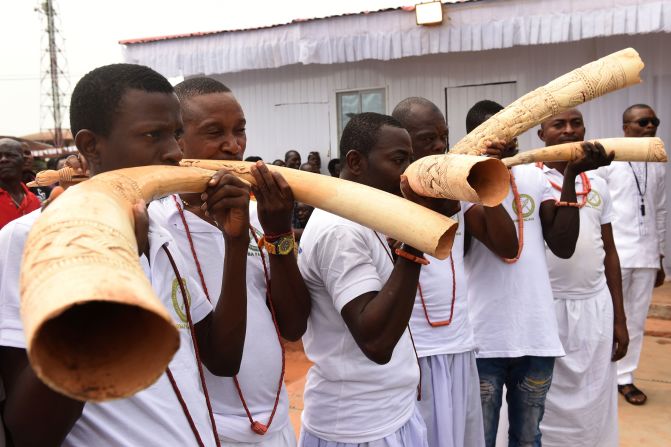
(178, 305)
(594, 199)
(528, 205)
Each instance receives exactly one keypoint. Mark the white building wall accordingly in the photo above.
(294, 107)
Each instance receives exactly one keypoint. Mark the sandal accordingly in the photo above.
(632, 394)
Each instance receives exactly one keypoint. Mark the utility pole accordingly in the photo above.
(51, 76)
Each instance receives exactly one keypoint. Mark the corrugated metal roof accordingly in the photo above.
(209, 33)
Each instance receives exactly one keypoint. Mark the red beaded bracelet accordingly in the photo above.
(410, 257)
(573, 204)
(275, 237)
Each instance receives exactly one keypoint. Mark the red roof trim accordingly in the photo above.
(209, 33)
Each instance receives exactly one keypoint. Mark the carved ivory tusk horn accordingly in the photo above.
(471, 178)
(392, 216)
(94, 327)
(626, 149)
(610, 73)
(49, 177)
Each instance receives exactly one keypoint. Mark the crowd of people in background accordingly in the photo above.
(542, 299)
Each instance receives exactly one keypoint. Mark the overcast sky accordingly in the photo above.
(92, 28)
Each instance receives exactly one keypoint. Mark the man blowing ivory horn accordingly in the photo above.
(581, 406)
(440, 325)
(510, 299)
(253, 407)
(122, 116)
(362, 389)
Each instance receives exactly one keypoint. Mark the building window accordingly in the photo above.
(353, 102)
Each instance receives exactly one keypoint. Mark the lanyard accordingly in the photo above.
(641, 194)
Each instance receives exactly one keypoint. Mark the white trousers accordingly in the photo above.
(637, 285)
(411, 434)
(283, 438)
(581, 406)
(450, 404)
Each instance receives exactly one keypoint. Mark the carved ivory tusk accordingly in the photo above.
(610, 73)
(472, 178)
(392, 216)
(626, 149)
(94, 328)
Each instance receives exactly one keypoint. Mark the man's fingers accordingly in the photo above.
(283, 186)
(262, 177)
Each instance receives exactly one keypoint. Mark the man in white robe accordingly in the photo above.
(638, 191)
(581, 406)
(440, 325)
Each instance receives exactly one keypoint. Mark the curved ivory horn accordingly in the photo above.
(625, 149)
(472, 178)
(393, 216)
(65, 175)
(94, 328)
(610, 73)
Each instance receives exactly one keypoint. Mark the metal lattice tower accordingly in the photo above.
(53, 102)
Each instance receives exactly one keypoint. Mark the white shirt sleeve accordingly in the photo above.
(546, 193)
(607, 213)
(12, 240)
(346, 265)
(660, 203)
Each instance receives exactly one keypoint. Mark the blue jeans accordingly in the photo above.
(528, 380)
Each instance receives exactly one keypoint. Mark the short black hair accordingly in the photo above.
(361, 133)
(332, 164)
(286, 154)
(402, 110)
(254, 158)
(199, 86)
(630, 108)
(479, 112)
(96, 97)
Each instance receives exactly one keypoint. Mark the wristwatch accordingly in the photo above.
(282, 245)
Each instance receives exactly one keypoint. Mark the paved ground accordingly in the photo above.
(648, 425)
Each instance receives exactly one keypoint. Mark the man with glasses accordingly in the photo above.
(638, 193)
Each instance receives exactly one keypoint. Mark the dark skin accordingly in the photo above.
(28, 157)
(221, 111)
(561, 224)
(144, 132)
(315, 159)
(378, 319)
(309, 168)
(490, 225)
(570, 127)
(632, 128)
(11, 167)
(292, 159)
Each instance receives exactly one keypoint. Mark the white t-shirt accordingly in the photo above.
(152, 417)
(639, 239)
(436, 282)
(261, 364)
(349, 398)
(511, 305)
(583, 275)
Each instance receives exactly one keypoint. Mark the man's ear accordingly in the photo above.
(541, 134)
(87, 143)
(356, 162)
